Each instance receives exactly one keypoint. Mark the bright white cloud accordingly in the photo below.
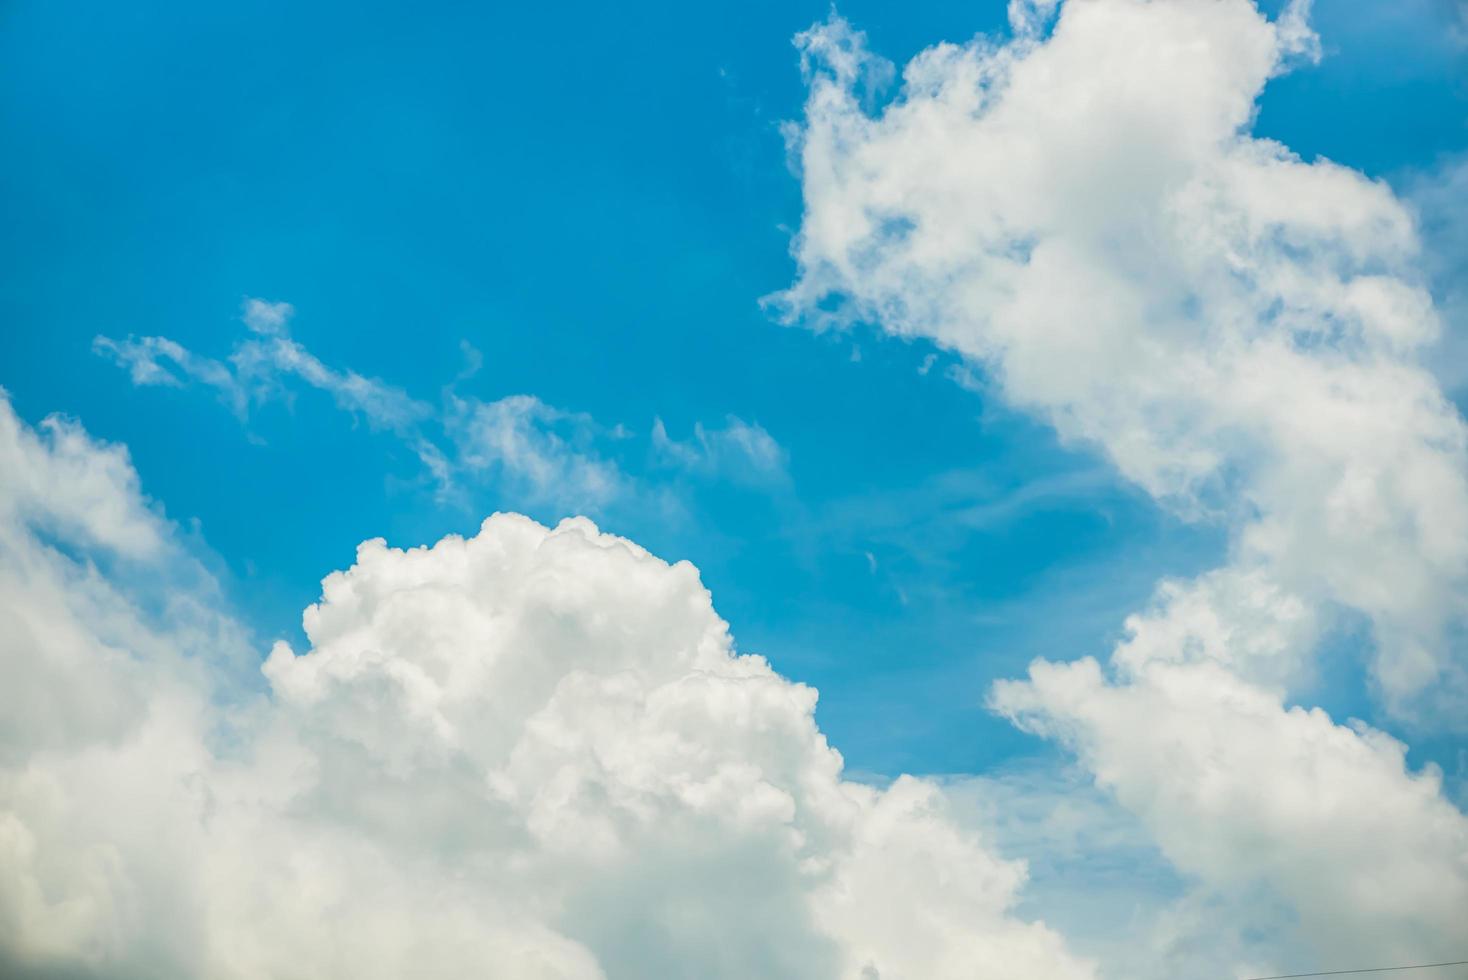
(533, 751)
(61, 675)
(112, 646)
(1240, 332)
(742, 451)
(59, 480)
(1096, 875)
(1082, 215)
(1236, 789)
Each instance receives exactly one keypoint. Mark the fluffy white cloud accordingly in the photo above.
(531, 753)
(1081, 214)
(1085, 215)
(1236, 789)
(112, 650)
(59, 485)
(266, 318)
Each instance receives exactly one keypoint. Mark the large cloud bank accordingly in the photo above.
(531, 753)
(1082, 215)
(537, 753)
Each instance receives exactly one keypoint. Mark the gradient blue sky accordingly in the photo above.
(595, 198)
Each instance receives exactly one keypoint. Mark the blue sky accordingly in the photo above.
(1080, 433)
(597, 203)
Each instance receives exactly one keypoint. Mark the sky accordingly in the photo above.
(1070, 394)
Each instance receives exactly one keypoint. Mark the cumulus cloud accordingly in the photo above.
(61, 675)
(1236, 789)
(1240, 332)
(1081, 214)
(58, 479)
(1099, 878)
(741, 450)
(531, 753)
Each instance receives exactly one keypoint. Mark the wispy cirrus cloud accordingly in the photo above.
(539, 453)
(158, 361)
(259, 367)
(738, 450)
(550, 454)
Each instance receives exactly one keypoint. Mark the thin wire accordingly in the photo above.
(1374, 969)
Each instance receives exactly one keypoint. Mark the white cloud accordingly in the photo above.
(111, 632)
(544, 454)
(148, 360)
(1236, 789)
(257, 367)
(541, 455)
(742, 451)
(267, 318)
(1097, 877)
(1240, 332)
(60, 675)
(59, 480)
(383, 406)
(531, 748)
(1083, 216)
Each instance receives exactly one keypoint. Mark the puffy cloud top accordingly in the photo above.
(532, 753)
